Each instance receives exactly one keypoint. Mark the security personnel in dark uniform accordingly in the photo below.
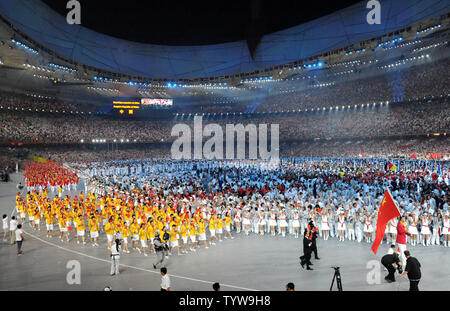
(313, 239)
(412, 268)
(389, 261)
(307, 244)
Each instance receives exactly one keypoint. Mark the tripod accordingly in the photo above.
(337, 277)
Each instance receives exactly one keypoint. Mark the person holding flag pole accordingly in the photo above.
(388, 210)
(401, 238)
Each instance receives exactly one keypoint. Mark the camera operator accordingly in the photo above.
(115, 257)
(161, 249)
(391, 262)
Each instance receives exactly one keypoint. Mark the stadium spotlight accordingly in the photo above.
(114, 140)
(82, 141)
(121, 140)
(128, 140)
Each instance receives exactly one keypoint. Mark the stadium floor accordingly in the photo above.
(244, 263)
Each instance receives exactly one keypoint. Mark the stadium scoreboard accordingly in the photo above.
(131, 106)
(156, 103)
(126, 107)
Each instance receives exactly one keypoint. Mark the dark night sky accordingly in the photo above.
(185, 22)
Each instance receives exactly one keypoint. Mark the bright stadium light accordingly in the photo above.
(82, 140)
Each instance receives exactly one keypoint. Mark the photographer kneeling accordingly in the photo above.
(391, 262)
(161, 249)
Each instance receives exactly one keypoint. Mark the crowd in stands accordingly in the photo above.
(363, 148)
(382, 148)
(26, 102)
(426, 80)
(394, 119)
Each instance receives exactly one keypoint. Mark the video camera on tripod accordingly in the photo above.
(337, 277)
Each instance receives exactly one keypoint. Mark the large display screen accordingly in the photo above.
(156, 103)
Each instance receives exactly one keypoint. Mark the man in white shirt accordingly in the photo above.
(19, 239)
(5, 227)
(165, 280)
(12, 229)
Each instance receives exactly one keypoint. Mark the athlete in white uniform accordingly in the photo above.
(393, 230)
(341, 226)
(446, 230)
(368, 229)
(246, 222)
(282, 223)
(237, 220)
(296, 224)
(325, 226)
(425, 230)
(412, 229)
(261, 222)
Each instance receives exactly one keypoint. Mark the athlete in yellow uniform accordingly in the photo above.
(173, 239)
(93, 229)
(202, 233)
(212, 229)
(125, 234)
(49, 223)
(219, 227)
(81, 227)
(109, 229)
(134, 228)
(192, 235)
(184, 236)
(63, 227)
(143, 238)
(151, 229)
(228, 223)
(37, 218)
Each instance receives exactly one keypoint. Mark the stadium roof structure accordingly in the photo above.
(342, 28)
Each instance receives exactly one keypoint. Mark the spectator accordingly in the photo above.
(290, 287)
(216, 287)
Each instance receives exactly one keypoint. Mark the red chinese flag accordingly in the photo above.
(413, 156)
(388, 210)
